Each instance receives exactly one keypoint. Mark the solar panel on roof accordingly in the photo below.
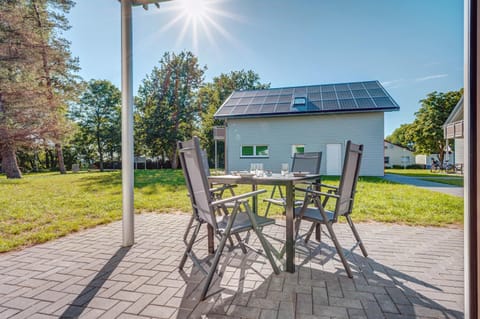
(383, 101)
(341, 87)
(347, 103)
(376, 92)
(287, 91)
(300, 91)
(327, 88)
(365, 103)
(271, 99)
(360, 93)
(282, 107)
(356, 86)
(343, 97)
(330, 104)
(249, 94)
(268, 108)
(315, 105)
(285, 99)
(313, 89)
(371, 85)
(329, 95)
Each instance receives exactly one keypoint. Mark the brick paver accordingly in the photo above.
(411, 272)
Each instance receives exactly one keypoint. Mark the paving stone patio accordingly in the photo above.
(411, 272)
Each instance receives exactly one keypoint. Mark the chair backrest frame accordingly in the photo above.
(348, 181)
(194, 171)
(307, 162)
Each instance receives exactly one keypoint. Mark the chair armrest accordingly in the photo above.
(238, 197)
(318, 193)
(328, 186)
(222, 188)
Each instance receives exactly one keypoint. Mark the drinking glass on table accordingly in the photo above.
(259, 171)
(284, 170)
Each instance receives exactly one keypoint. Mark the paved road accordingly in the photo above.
(436, 187)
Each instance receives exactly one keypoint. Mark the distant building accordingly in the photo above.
(396, 155)
(268, 126)
(454, 129)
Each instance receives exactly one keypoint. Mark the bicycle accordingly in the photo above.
(435, 167)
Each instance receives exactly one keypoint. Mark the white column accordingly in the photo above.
(127, 125)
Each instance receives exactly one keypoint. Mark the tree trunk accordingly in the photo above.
(9, 163)
(61, 162)
(174, 158)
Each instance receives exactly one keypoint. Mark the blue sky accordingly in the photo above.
(412, 47)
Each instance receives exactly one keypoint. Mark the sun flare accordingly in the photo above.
(194, 9)
(200, 20)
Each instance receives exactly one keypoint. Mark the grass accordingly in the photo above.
(44, 206)
(425, 174)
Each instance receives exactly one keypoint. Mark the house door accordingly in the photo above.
(334, 159)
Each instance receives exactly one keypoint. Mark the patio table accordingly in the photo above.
(289, 181)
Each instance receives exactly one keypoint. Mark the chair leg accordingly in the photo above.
(264, 242)
(240, 242)
(269, 203)
(190, 245)
(187, 231)
(215, 261)
(339, 249)
(309, 233)
(357, 236)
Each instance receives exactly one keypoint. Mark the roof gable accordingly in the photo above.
(457, 113)
(302, 100)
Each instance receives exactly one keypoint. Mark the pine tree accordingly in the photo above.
(36, 80)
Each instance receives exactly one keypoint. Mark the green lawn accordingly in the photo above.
(41, 207)
(425, 174)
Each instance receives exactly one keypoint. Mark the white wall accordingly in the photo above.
(315, 131)
(395, 154)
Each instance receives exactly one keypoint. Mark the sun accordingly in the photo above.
(200, 20)
(194, 9)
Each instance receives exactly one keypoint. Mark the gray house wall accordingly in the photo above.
(314, 131)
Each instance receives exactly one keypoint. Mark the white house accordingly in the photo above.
(396, 155)
(453, 129)
(268, 126)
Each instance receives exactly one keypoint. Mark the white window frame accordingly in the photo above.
(254, 151)
(293, 149)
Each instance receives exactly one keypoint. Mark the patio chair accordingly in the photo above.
(344, 195)
(302, 162)
(217, 192)
(205, 206)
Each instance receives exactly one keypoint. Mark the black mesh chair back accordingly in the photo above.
(307, 162)
(348, 182)
(196, 180)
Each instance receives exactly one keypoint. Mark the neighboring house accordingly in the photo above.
(268, 126)
(454, 129)
(396, 155)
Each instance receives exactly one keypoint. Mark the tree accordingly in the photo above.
(57, 65)
(32, 104)
(165, 110)
(212, 95)
(98, 117)
(402, 137)
(426, 131)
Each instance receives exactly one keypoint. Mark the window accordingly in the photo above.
(298, 148)
(254, 151)
(386, 159)
(299, 101)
